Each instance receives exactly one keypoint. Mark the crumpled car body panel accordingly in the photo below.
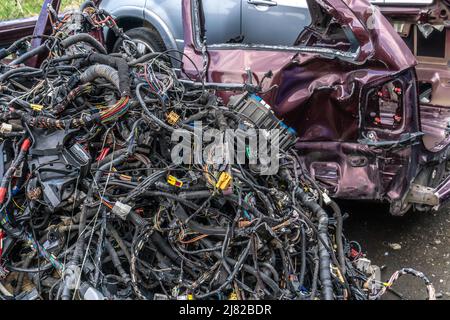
(323, 97)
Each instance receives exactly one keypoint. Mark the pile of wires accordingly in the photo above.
(93, 205)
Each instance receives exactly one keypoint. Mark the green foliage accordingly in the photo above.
(15, 9)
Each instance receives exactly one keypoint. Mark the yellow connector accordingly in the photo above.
(36, 107)
(224, 181)
(190, 297)
(172, 118)
(173, 181)
(233, 296)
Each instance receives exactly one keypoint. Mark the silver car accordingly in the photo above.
(156, 25)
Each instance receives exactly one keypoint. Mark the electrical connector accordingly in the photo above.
(121, 210)
(233, 296)
(172, 118)
(36, 107)
(6, 128)
(173, 181)
(326, 198)
(224, 181)
(90, 293)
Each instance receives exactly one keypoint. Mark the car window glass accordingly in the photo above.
(229, 21)
(222, 20)
(286, 25)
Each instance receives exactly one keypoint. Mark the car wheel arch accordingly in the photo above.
(145, 18)
(162, 28)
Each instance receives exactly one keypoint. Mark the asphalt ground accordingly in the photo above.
(417, 240)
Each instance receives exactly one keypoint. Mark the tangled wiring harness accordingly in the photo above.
(93, 205)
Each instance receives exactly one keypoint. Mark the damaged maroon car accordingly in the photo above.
(349, 86)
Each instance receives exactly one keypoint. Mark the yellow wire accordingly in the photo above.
(20, 208)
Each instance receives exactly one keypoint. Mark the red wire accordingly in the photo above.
(105, 20)
(103, 154)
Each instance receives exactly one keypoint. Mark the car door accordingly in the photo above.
(273, 22)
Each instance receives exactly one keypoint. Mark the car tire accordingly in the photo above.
(148, 39)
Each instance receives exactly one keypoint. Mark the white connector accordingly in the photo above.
(326, 198)
(121, 210)
(6, 128)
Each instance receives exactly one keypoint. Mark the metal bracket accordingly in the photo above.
(423, 195)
